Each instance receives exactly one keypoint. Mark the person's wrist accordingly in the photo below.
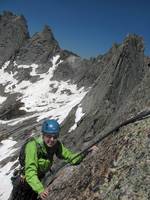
(40, 191)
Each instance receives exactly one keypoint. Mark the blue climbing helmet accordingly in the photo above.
(51, 127)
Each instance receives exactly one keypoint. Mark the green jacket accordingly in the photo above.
(39, 159)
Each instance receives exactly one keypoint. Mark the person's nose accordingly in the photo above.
(52, 138)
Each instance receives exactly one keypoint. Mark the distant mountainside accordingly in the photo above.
(39, 79)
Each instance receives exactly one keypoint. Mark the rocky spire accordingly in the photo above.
(13, 34)
(39, 48)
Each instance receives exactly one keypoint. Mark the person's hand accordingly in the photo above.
(44, 195)
(93, 149)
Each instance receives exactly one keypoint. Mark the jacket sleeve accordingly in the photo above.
(31, 167)
(68, 155)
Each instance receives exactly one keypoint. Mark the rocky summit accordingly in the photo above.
(89, 97)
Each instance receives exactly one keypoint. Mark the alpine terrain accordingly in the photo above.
(89, 97)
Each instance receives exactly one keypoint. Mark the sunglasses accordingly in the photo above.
(52, 136)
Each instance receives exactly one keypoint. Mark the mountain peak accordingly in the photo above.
(47, 35)
(14, 32)
(8, 14)
(47, 30)
(135, 41)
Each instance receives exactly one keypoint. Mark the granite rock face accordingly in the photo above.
(122, 82)
(118, 170)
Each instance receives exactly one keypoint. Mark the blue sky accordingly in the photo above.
(86, 27)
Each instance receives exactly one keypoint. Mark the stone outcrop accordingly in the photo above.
(110, 99)
(39, 48)
(118, 170)
(13, 34)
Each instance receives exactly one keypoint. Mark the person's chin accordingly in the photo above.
(50, 144)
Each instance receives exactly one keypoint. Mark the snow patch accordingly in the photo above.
(34, 67)
(61, 111)
(13, 122)
(7, 78)
(6, 64)
(24, 66)
(15, 64)
(79, 114)
(6, 185)
(2, 99)
(6, 148)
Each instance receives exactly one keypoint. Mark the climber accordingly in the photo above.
(36, 158)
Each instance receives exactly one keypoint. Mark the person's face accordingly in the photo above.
(50, 140)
